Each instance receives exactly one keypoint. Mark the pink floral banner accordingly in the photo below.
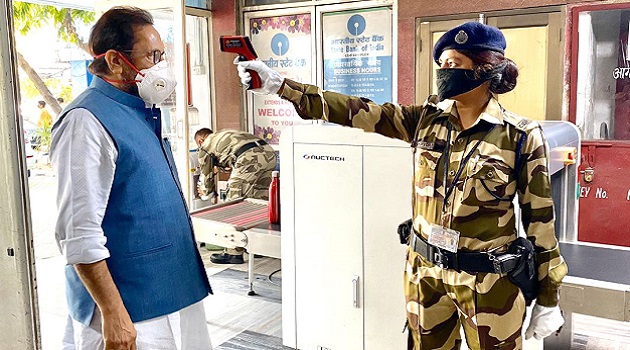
(284, 44)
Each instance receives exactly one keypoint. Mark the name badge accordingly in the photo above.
(426, 145)
(444, 238)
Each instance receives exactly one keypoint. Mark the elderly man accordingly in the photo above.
(134, 277)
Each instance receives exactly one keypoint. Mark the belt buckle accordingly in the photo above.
(439, 259)
(497, 261)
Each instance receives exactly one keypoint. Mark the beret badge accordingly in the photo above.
(461, 37)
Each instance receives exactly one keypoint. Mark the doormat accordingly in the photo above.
(248, 340)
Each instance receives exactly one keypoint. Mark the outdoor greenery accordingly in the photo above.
(28, 90)
(27, 16)
(43, 136)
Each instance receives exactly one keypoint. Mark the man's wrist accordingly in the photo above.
(113, 309)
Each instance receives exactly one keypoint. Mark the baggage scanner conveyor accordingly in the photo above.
(597, 283)
(239, 223)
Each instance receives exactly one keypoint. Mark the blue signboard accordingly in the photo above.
(358, 53)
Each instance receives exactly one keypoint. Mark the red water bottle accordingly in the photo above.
(274, 198)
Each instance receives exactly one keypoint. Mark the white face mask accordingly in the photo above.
(155, 84)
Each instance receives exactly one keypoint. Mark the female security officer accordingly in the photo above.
(471, 157)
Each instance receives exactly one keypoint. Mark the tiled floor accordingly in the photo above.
(231, 312)
(236, 321)
(234, 318)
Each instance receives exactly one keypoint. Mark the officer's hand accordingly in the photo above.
(544, 321)
(271, 81)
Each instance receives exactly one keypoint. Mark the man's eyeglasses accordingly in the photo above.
(156, 56)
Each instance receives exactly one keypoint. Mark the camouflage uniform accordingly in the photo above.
(251, 171)
(490, 308)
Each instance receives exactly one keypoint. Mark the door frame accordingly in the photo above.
(17, 258)
(573, 20)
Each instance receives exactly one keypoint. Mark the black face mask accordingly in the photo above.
(452, 82)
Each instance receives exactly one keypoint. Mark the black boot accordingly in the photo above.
(224, 258)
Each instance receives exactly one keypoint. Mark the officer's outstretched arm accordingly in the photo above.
(388, 119)
(311, 102)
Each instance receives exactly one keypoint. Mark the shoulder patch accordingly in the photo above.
(520, 123)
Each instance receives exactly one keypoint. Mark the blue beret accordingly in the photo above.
(470, 36)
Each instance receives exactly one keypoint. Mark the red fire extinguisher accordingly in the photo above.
(274, 198)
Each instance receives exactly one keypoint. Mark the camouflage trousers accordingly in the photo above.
(251, 177)
(487, 305)
(251, 174)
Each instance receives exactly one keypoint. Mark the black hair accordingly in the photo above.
(501, 70)
(203, 132)
(41, 103)
(115, 30)
(60, 99)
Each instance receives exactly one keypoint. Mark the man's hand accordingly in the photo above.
(544, 321)
(118, 331)
(271, 81)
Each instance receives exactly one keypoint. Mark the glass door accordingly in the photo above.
(199, 93)
(535, 43)
(169, 20)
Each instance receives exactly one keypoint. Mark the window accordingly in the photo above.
(602, 102)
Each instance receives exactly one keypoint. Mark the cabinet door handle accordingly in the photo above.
(355, 291)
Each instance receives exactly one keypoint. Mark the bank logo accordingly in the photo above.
(356, 25)
(280, 44)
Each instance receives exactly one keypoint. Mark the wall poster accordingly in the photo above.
(284, 44)
(357, 53)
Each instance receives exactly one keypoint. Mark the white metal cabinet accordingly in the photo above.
(328, 246)
(343, 194)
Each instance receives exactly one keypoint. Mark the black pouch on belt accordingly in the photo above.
(404, 231)
(525, 274)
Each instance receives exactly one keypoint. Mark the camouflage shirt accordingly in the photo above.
(480, 205)
(219, 149)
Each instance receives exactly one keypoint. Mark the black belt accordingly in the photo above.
(249, 146)
(464, 261)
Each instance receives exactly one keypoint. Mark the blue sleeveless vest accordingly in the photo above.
(154, 259)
